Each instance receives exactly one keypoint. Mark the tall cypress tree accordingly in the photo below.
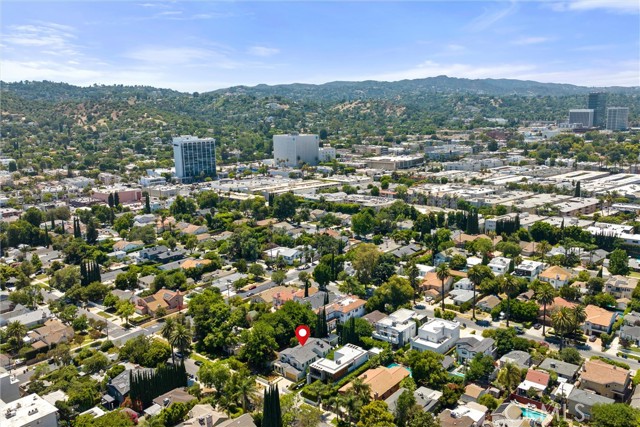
(77, 232)
(98, 276)
(272, 414)
(147, 203)
(116, 199)
(83, 273)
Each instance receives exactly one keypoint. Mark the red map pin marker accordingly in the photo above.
(302, 333)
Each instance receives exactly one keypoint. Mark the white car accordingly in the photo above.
(428, 299)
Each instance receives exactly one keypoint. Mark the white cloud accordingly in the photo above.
(525, 41)
(455, 47)
(41, 37)
(623, 6)
(184, 56)
(263, 51)
(491, 17)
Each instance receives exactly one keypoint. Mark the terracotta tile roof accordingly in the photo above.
(269, 294)
(600, 372)
(381, 380)
(559, 302)
(194, 263)
(538, 377)
(598, 316)
(354, 304)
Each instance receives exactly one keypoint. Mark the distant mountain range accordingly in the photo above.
(336, 91)
(404, 90)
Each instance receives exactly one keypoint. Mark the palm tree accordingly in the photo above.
(509, 376)
(579, 316)
(476, 275)
(167, 331)
(563, 322)
(442, 273)
(361, 390)
(543, 248)
(413, 272)
(15, 332)
(181, 337)
(245, 388)
(509, 287)
(545, 296)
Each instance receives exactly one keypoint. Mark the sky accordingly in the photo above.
(207, 45)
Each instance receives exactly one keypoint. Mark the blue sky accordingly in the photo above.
(206, 45)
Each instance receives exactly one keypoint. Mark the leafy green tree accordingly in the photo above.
(259, 345)
(570, 355)
(96, 363)
(322, 275)
(619, 262)
(423, 419)
(80, 323)
(404, 407)
(427, 368)
(284, 206)
(614, 415)
(489, 401)
(215, 375)
(364, 259)
(362, 223)
(278, 277)
(125, 309)
(376, 414)
(480, 367)
(458, 262)
(394, 294)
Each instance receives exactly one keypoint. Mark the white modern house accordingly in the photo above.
(345, 360)
(398, 328)
(463, 285)
(31, 410)
(288, 254)
(499, 265)
(437, 335)
(529, 270)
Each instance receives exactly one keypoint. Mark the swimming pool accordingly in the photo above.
(533, 414)
(393, 365)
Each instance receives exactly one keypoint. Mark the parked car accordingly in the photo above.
(419, 306)
(483, 323)
(198, 362)
(519, 330)
(592, 338)
(537, 326)
(428, 299)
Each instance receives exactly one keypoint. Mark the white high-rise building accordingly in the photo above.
(294, 149)
(582, 116)
(194, 157)
(617, 118)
